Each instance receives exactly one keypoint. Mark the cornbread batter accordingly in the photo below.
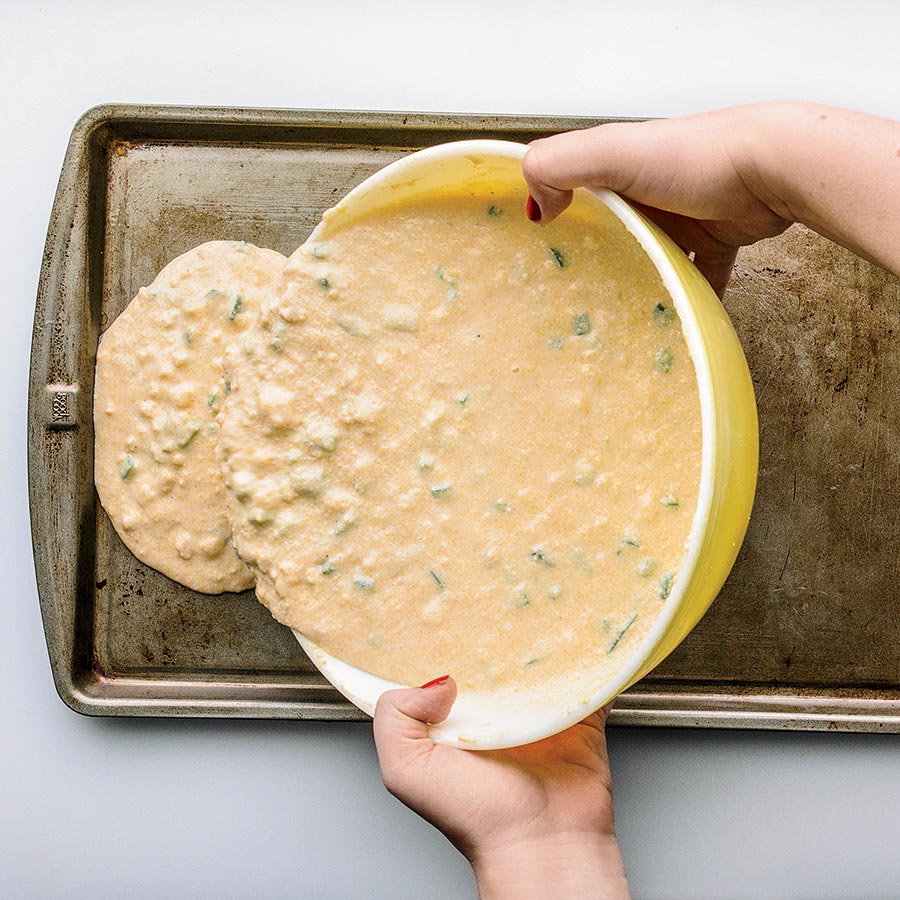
(158, 394)
(457, 442)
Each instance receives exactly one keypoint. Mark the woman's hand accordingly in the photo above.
(682, 173)
(719, 180)
(534, 821)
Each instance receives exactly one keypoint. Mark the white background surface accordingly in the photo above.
(230, 809)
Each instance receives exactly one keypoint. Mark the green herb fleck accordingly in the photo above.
(187, 335)
(532, 661)
(327, 567)
(344, 522)
(276, 341)
(442, 489)
(621, 634)
(215, 294)
(354, 325)
(494, 211)
(662, 361)
(557, 257)
(541, 556)
(126, 470)
(663, 315)
(462, 399)
(670, 501)
(226, 386)
(585, 473)
(665, 585)
(556, 343)
(211, 400)
(184, 434)
(236, 308)
(441, 584)
(324, 282)
(364, 583)
(522, 600)
(501, 505)
(581, 324)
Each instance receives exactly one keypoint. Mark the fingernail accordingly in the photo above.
(532, 210)
(435, 682)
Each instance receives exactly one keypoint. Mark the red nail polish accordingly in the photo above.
(434, 682)
(532, 210)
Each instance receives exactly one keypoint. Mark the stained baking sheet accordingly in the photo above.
(805, 633)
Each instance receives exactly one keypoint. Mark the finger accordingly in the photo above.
(714, 258)
(716, 268)
(604, 156)
(401, 722)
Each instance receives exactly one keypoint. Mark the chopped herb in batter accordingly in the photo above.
(621, 634)
(211, 400)
(627, 543)
(494, 211)
(215, 294)
(502, 506)
(236, 308)
(441, 584)
(462, 399)
(541, 556)
(581, 324)
(354, 325)
(327, 567)
(276, 341)
(325, 282)
(670, 501)
(442, 489)
(556, 343)
(557, 257)
(344, 522)
(665, 585)
(532, 661)
(662, 361)
(184, 434)
(585, 473)
(364, 582)
(663, 315)
(128, 466)
(187, 335)
(522, 600)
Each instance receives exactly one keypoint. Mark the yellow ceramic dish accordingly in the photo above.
(729, 451)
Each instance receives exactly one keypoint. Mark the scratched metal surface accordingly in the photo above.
(806, 632)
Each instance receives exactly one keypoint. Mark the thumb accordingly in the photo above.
(610, 156)
(401, 724)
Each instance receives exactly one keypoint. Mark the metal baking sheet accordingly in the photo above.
(805, 633)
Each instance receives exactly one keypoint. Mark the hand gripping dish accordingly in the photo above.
(534, 708)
